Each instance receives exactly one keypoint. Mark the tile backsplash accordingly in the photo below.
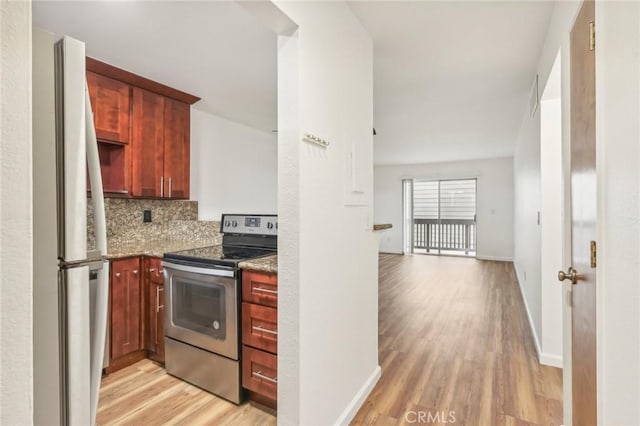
(171, 220)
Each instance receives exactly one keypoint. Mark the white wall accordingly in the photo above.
(494, 201)
(327, 272)
(551, 226)
(526, 166)
(538, 244)
(234, 167)
(618, 176)
(540, 297)
(16, 346)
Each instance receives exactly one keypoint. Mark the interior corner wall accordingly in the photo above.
(528, 191)
(330, 315)
(494, 201)
(551, 229)
(234, 167)
(16, 266)
(618, 210)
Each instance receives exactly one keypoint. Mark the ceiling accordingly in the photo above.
(452, 79)
(214, 50)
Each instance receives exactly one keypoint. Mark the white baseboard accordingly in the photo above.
(352, 409)
(390, 252)
(543, 358)
(551, 360)
(495, 258)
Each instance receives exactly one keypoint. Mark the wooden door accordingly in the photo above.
(148, 144)
(125, 307)
(176, 149)
(583, 217)
(110, 102)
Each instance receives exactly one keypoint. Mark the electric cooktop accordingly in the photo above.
(219, 255)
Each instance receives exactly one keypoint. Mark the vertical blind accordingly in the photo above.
(445, 199)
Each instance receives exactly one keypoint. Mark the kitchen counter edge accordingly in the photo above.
(267, 264)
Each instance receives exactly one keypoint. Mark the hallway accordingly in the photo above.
(454, 342)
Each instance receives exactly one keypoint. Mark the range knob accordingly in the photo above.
(234, 224)
(270, 225)
(227, 224)
(276, 225)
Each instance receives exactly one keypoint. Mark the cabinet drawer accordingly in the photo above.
(155, 270)
(260, 327)
(260, 288)
(260, 372)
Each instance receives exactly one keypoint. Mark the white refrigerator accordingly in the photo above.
(70, 283)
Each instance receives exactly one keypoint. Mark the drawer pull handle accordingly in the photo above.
(263, 377)
(264, 290)
(264, 330)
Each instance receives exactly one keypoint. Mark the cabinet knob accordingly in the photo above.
(135, 271)
(117, 274)
(152, 269)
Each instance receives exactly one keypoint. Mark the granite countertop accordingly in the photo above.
(262, 264)
(381, 226)
(156, 248)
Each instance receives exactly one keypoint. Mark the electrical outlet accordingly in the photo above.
(146, 216)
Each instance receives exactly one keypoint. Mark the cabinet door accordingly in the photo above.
(148, 144)
(110, 102)
(125, 307)
(176, 149)
(156, 321)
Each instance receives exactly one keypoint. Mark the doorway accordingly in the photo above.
(440, 216)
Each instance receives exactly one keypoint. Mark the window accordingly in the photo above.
(440, 216)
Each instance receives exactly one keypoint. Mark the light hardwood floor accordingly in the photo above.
(454, 338)
(144, 394)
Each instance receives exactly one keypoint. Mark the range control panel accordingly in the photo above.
(249, 224)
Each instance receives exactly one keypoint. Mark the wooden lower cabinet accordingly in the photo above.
(136, 311)
(260, 336)
(155, 309)
(126, 313)
(260, 372)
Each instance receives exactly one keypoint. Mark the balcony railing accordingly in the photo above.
(444, 234)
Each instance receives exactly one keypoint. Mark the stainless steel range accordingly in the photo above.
(202, 298)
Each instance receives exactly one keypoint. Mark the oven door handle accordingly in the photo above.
(217, 272)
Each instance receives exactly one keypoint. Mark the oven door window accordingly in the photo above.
(200, 307)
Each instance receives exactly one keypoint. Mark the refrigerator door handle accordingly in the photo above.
(100, 228)
(100, 334)
(95, 178)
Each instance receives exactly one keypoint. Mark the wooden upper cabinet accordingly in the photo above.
(110, 101)
(176, 149)
(148, 144)
(146, 129)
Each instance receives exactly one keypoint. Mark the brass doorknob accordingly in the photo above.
(571, 275)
